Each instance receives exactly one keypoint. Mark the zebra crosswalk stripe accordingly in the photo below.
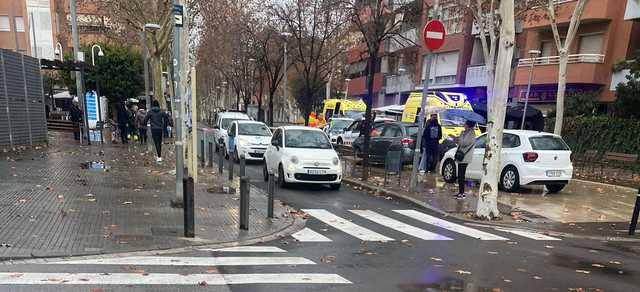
(308, 235)
(191, 261)
(346, 226)
(167, 279)
(247, 249)
(449, 225)
(527, 234)
(399, 226)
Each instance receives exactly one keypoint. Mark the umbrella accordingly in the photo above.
(432, 110)
(467, 115)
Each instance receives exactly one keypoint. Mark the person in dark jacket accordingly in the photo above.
(123, 123)
(430, 142)
(157, 116)
(76, 117)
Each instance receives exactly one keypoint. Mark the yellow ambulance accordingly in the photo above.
(343, 107)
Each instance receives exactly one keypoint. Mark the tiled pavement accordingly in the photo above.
(51, 206)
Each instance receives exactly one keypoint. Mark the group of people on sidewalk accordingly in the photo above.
(133, 121)
(430, 154)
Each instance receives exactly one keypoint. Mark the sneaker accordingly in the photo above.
(422, 171)
(459, 196)
(159, 159)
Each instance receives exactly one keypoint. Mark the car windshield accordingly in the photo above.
(548, 143)
(449, 120)
(306, 139)
(337, 125)
(253, 129)
(224, 124)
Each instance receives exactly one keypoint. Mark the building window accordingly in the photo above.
(591, 44)
(4, 23)
(444, 68)
(546, 48)
(451, 19)
(451, 79)
(20, 24)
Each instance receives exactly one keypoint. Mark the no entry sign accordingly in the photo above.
(434, 35)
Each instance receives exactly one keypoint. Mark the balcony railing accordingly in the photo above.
(555, 60)
(403, 40)
(399, 83)
(476, 76)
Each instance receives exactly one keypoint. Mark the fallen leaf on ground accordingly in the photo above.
(84, 280)
(48, 188)
(203, 283)
(145, 214)
(60, 197)
(582, 271)
(324, 230)
(105, 212)
(306, 279)
(122, 242)
(141, 271)
(201, 208)
(106, 236)
(162, 183)
(522, 270)
(175, 261)
(16, 275)
(597, 265)
(438, 266)
(463, 272)
(549, 246)
(23, 200)
(615, 263)
(492, 252)
(127, 203)
(210, 272)
(506, 281)
(537, 278)
(93, 200)
(436, 259)
(184, 275)
(89, 195)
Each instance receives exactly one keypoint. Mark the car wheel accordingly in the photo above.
(335, 187)
(555, 188)
(449, 171)
(265, 171)
(339, 141)
(510, 179)
(281, 181)
(236, 158)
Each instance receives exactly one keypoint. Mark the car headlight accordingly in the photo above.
(339, 168)
(294, 159)
(336, 161)
(243, 142)
(291, 167)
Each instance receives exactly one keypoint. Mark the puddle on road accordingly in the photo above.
(94, 165)
(446, 285)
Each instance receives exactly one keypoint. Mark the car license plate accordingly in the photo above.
(259, 151)
(316, 171)
(553, 173)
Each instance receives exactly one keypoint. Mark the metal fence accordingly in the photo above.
(22, 114)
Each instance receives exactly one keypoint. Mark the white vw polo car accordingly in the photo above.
(528, 158)
(247, 138)
(302, 155)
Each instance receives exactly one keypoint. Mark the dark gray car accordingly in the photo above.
(385, 136)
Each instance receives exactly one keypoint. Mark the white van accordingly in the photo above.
(223, 121)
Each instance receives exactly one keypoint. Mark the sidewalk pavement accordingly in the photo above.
(53, 205)
(580, 202)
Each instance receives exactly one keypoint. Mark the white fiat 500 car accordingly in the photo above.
(247, 138)
(528, 158)
(299, 154)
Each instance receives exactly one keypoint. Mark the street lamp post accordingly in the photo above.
(534, 54)
(347, 91)
(99, 101)
(400, 71)
(146, 74)
(59, 51)
(284, 85)
(252, 61)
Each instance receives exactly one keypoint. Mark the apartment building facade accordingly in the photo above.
(605, 35)
(14, 36)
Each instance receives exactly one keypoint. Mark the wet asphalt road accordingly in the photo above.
(409, 263)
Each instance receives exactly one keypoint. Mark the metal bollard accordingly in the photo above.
(244, 202)
(634, 217)
(220, 156)
(189, 206)
(272, 195)
(202, 153)
(243, 163)
(210, 154)
(230, 165)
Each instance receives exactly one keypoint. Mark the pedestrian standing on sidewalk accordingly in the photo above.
(431, 140)
(76, 117)
(466, 143)
(123, 123)
(133, 132)
(157, 116)
(113, 126)
(142, 127)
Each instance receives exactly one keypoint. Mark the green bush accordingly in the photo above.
(602, 133)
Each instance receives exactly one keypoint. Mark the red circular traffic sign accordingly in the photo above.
(433, 34)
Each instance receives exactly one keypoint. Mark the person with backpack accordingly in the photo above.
(156, 117)
(142, 127)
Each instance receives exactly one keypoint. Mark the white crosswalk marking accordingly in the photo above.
(192, 261)
(527, 234)
(399, 226)
(167, 279)
(346, 226)
(449, 226)
(308, 235)
(247, 249)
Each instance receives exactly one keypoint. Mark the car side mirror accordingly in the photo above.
(231, 134)
(216, 127)
(275, 143)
